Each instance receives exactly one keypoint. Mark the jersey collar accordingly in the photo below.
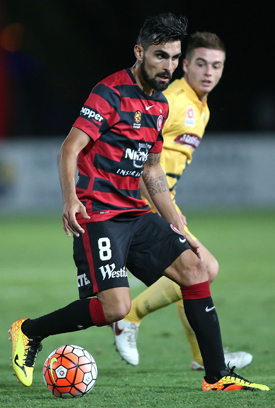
(191, 93)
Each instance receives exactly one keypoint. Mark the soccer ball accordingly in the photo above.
(70, 371)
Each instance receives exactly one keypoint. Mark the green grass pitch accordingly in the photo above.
(38, 276)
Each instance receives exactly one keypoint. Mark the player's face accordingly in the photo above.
(158, 64)
(204, 70)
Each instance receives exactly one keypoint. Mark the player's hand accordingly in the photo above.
(183, 218)
(193, 244)
(70, 224)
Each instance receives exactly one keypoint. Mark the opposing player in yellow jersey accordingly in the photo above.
(182, 133)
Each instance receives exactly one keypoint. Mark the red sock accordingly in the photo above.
(97, 313)
(197, 291)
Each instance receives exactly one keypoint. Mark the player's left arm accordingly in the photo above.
(146, 195)
(155, 181)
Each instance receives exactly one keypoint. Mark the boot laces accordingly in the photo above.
(231, 373)
(33, 348)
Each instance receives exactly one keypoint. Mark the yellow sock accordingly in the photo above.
(190, 335)
(162, 293)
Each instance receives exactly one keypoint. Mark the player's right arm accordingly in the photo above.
(67, 157)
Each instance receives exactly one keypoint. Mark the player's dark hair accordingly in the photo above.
(203, 40)
(162, 28)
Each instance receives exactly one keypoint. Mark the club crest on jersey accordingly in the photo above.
(190, 116)
(137, 117)
(175, 229)
(159, 122)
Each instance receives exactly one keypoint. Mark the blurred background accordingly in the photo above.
(52, 53)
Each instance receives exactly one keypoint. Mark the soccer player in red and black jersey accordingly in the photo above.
(116, 140)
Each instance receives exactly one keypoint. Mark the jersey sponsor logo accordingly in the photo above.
(175, 229)
(190, 116)
(188, 139)
(182, 240)
(89, 113)
(83, 280)
(108, 271)
(137, 117)
(159, 122)
(138, 156)
(126, 173)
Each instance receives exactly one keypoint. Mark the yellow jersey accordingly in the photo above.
(182, 133)
(183, 130)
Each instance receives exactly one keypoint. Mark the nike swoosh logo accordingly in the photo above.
(208, 309)
(18, 365)
(149, 107)
(116, 329)
(182, 240)
(53, 360)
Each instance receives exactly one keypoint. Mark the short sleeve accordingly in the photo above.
(100, 112)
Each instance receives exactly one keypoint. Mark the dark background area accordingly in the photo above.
(53, 52)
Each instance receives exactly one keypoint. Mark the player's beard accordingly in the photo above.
(153, 82)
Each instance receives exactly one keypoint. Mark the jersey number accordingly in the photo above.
(104, 246)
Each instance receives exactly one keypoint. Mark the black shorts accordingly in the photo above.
(146, 245)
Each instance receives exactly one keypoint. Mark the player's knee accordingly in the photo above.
(212, 269)
(198, 273)
(119, 311)
(193, 272)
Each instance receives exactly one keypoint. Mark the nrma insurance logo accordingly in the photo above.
(139, 156)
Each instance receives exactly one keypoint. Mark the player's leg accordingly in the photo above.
(212, 268)
(116, 303)
(201, 314)
(210, 262)
(27, 334)
(239, 359)
(190, 273)
(100, 258)
(161, 294)
(180, 264)
(164, 292)
(109, 306)
(197, 362)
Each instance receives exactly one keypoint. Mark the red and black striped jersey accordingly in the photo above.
(124, 125)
